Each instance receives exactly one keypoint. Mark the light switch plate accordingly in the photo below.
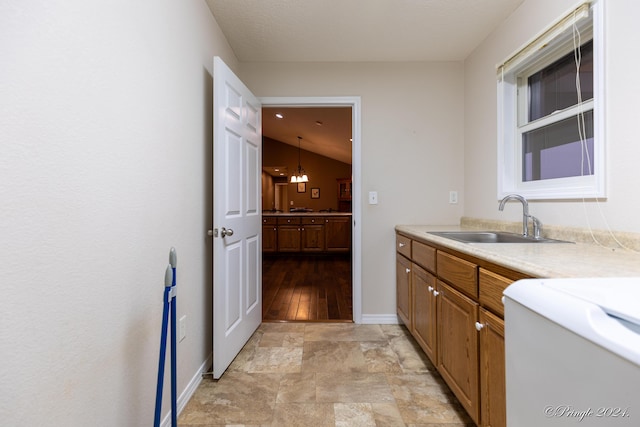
(453, 197)
(373, 197)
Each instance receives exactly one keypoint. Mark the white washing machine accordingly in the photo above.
(572, 349)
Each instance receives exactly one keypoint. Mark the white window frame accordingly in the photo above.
(553, 43)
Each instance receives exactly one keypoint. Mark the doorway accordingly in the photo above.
(322, 286)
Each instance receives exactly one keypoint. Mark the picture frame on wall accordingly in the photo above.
(315, 193)
(302, 187)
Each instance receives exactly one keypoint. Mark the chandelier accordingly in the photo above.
(301, 175)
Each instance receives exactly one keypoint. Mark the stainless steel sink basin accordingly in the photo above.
(490, 237)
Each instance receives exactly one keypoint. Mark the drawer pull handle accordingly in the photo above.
(479, 326)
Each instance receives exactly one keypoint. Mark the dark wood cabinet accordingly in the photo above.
(344, 194)
(306, 234)
(312, 238)
(269, 235)
(338, 233)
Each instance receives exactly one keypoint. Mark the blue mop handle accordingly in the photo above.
(168, 276)
(174, 353)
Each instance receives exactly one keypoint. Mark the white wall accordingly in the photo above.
(105, 128)
(412, 154)
(622, 36)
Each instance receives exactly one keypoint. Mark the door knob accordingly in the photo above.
(226, 232)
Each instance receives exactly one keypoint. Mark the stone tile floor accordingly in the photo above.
(327, 374)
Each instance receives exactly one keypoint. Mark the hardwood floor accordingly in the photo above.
(307, 288)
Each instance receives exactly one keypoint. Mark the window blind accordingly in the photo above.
(544, 38)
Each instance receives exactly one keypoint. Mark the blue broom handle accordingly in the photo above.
(168, 276)
(174, 353)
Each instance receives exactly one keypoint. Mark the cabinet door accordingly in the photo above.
(458, 346)
(269, 238)
(403, 289)
(424, 311)
(338, 233)
(288, 238)
(492, 370)
(312, 238)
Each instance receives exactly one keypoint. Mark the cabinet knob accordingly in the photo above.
(407, 270)
(479, 326)
(430, 288)
(436, 293)
(401, 245)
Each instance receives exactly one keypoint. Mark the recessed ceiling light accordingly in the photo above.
(279, 116)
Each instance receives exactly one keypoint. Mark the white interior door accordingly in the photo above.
(237, 260)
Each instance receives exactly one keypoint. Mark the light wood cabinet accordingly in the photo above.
(458, 346)
(492, 370)
(453, 308)
(424, 311)
(403, 289)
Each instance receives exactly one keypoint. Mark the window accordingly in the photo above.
(550, 97)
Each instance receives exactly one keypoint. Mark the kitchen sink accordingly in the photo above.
(491, 237)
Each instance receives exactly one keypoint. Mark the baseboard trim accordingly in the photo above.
(189, 390)
(380, 319)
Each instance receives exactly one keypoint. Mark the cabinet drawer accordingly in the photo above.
(289, 220)
(490, 289)
(424, 255)
(461, 274)
(308, 220)
(403, 245)
(269, 220)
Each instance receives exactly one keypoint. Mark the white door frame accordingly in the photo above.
(356, 172)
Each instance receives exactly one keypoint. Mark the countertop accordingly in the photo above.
(335, 213)
(538, 259)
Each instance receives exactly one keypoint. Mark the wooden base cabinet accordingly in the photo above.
(492, 371)
(453, 308)
(424, 311)
(269, 235)
(288, 238)
(458, 346)
(403, 290)
(338, 233)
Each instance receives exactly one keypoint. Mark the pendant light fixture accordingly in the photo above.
(301, 175)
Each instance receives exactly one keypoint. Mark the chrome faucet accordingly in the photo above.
(525, 211)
